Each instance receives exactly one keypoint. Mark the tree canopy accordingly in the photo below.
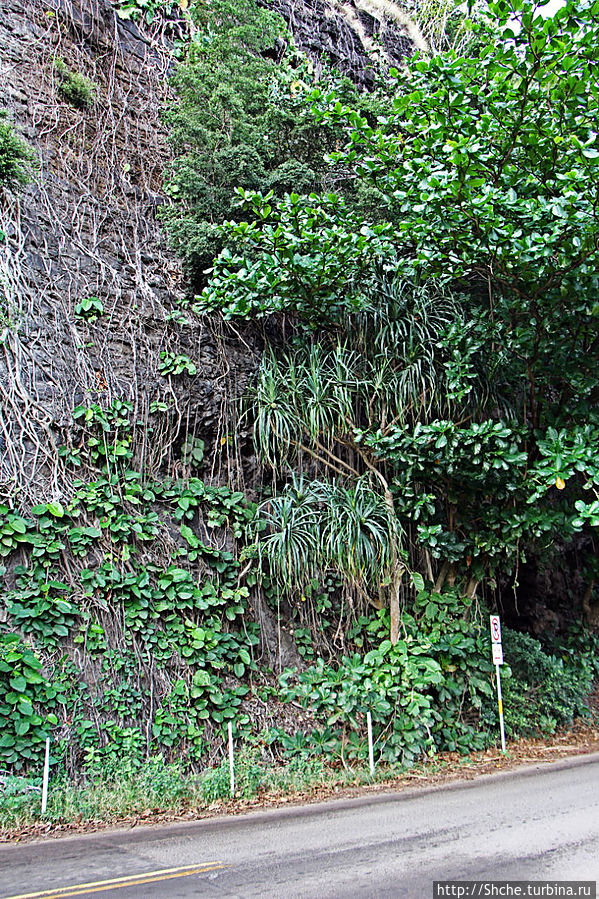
(486, 162)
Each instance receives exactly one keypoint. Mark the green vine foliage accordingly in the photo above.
(89, 308)
(92, 613)
(27, 699)
(147, 10)
(81, 572)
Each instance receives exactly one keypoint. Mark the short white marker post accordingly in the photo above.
(46, 777)
(498, 660)
(231, 761)
(370, 745)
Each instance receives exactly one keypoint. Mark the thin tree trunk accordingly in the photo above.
(395, 605)
(591, 612)
(441, 577)
(472, 587)
(396, 565)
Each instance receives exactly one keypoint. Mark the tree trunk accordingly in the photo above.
(276, 644)
(472, 588)
(591, 612)
(441, 577)
(395, 605)
(396, 566)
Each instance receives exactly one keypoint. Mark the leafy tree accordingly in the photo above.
(488, 163)
(497, 193)
(498, 190)
(239, 119)
(314, 403)
(242, 118)
(309, 256)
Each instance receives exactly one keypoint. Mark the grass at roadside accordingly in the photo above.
(159, 792)
(158, 788)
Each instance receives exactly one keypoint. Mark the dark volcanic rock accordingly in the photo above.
(88, 227)
(350, 35)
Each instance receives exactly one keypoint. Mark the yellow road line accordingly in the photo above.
(114, 883)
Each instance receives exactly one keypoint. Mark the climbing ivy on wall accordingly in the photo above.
(132, 574)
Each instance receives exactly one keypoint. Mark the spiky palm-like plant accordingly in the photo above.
(316, 526)
(397, 364)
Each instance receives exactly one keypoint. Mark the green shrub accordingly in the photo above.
(542, 691)
(425, 694)
(240, 119)
(16, 157)
(75, 87)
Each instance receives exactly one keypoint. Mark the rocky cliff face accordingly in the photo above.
(88, 228)
(351, 35)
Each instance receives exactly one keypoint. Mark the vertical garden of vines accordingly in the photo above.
(369, 400)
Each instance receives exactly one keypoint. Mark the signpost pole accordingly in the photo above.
(498, 660)
(500, 705)
(231, 758)
(46, 777)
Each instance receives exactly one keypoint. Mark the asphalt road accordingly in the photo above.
(541, 823)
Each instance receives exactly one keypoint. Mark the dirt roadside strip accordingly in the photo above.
(574, 746)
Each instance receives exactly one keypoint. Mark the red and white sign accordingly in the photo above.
(495, 629)
(497, 654)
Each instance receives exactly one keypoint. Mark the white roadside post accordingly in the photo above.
(231, 761)
(370, 743)
(46, 777)
(498, 660)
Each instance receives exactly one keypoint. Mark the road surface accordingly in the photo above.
(541, 823)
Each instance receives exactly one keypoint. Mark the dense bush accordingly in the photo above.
(241, 118)
(434, 690)
(425, 694)
(74, 87)
(544, 690)
(16, 157)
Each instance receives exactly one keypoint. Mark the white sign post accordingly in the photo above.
(370, 744)
(231, 758)
(498, 660)
(46, 777)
